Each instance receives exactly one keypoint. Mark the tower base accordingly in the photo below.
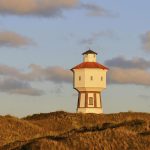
(89, 102)
(90, 110)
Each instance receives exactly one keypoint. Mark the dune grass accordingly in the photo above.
(62, 130)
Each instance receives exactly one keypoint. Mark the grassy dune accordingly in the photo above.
(62, 130)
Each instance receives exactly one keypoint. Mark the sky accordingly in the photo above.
(41, 40)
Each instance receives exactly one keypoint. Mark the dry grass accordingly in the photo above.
(62, 130)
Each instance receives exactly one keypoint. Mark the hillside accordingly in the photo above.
(62, 130)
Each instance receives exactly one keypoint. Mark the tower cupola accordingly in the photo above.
(89, 56)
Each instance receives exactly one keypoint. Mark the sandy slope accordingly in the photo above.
(61, 130)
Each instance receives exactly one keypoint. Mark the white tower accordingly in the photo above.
(89, 79)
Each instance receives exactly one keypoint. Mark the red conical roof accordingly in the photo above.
(90, 65)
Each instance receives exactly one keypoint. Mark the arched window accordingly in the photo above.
(91, 77)
(101, 78)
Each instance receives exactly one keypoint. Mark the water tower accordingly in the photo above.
(89, 79)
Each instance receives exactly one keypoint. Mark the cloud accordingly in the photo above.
(14, 81)
(54, 74)
(14, 86)
(129, 76)
(90, 40)
(121, 62)
(145, 38)
(95, 10)
(12, 39)
(38, 73)
(123, 71)
(46, 8)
